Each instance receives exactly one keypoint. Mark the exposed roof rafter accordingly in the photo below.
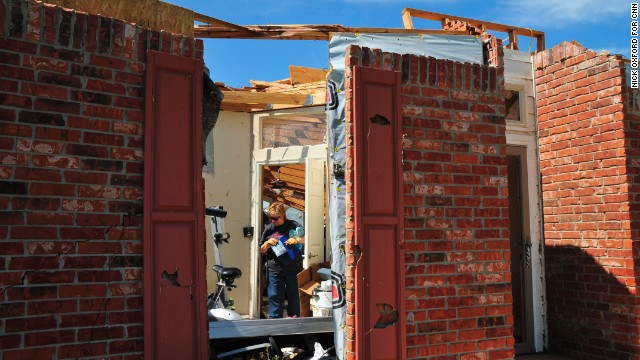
(299, 31)
(213, 21)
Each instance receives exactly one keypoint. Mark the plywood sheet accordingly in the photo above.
(303, 75)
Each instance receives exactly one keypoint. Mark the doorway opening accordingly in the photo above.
(289, 166)
(521, 247)
(300, 188)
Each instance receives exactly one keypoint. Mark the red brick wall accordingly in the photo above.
(456, 235)
(632, 131)
(589, 166)
(71, 121)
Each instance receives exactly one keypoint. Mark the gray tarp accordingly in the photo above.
(453, 47)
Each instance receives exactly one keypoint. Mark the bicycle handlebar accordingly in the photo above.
(215, 212)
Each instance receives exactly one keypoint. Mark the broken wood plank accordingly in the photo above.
(308, 88)
(292, 174)
(303, 75)
(269, 84)
(252, 97)
(303, 32)
(213, 21)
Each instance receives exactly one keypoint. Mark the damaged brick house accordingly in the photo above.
(504, 190)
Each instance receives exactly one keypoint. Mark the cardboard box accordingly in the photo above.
(308, 279)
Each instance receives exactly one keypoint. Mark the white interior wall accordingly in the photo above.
(228, 183)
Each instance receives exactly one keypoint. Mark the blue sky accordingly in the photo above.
(596, 24)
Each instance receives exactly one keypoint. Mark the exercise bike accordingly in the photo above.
(219, 308)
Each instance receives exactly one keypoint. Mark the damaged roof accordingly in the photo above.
(305, 86)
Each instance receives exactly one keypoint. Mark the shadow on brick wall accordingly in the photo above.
(590, 311)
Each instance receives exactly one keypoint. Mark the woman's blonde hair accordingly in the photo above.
(276, 209)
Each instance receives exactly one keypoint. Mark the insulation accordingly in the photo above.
(211, 100)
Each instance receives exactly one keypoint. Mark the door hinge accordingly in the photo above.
(527, 251)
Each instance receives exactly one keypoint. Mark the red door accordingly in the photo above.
(174, 248)
(378, 214)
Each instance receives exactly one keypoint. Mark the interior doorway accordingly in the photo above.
(521, 248)
(296, 177)
(289, 165)
(300, 187)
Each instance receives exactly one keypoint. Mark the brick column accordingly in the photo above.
(456, 239)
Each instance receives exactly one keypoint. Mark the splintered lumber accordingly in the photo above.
(213, 21)
(271, 95)
(269, 85)
(303, 75)
(301, 32)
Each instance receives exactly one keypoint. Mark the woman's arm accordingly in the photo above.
(295, 240)
(267, 244)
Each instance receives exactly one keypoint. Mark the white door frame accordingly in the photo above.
(519, 77)
(264, 157)
(272, 156)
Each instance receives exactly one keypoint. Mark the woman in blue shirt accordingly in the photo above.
(282, 271)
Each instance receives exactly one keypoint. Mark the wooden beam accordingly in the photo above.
(489, 25)
(406, 20)
(307, 88)
(249, 108)
(213, 21)
(540, 45)
(302, 32)
(252, 97)
(304, 75)
(513, 40)
(483, 25)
